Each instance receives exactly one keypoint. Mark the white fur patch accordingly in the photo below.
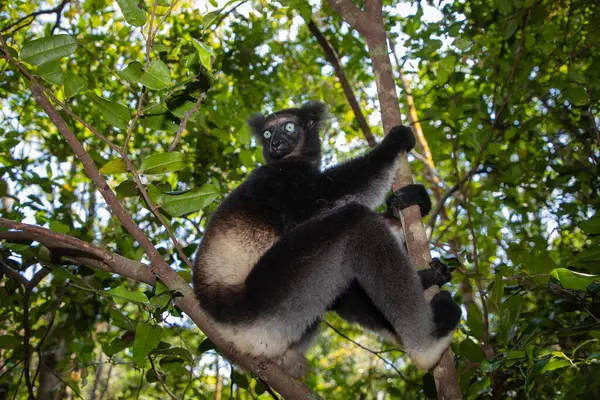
(229, 256)
(428, 358)
(267, 338)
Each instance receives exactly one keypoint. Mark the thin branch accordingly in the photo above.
(160, 380)
(333, 59)
(136, 177)
(375, 353)
(56, 9)
(13, 274)
(184, 121)
(78, 250)
(35, 280)
(137, 115)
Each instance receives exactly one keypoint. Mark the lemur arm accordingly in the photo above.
(367, 179)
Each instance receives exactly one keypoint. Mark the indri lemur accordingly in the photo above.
(293, 242)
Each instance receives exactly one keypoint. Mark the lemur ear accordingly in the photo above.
(313, 112)
(256, 123)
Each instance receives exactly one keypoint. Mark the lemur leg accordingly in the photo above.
(285, 295)
(355, 306)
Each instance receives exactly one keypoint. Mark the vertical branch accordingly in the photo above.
(333, 59)
(372, 28)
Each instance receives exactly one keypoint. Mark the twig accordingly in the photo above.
(58, 16)
(333, 59)
(134, 120)
(35, 14)
(160, 379)
(35, 280)
(14, 274)
(136, 177)
(375, 353)
(184, 121)
(150, 37)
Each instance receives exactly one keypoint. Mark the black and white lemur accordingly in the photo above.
(294, 241)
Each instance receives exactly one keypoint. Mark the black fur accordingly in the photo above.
(293, 241)
(407, 196)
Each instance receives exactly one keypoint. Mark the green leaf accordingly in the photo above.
(124, 293)
(205, 52)
(115, 114)
(132, 72)
(577, 95)
(58, 226)
(127, 188)
(160, 301)
(51, 72)
(186, 202)
(74, 84)
(147, 338)
(49, 48)
(115, 346)
(165, 162)
(591, 226)
(462, 43)
(134, 15)
(10, 342)
(114, 166)
(556, 363)
(178, 352)
(156, 76)
(573, 280)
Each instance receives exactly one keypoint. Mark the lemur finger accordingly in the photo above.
(410, 195)
(436, 274)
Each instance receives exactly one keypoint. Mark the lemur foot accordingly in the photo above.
(407, 196)
(446, 314)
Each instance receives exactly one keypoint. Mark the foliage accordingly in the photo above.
(507, 92)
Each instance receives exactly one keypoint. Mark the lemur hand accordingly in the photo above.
(401, 137)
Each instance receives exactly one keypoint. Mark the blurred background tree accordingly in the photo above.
(507, 97)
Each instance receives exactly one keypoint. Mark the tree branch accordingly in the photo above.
(333, 59)
(78, 250)
(350, 13)
(416, 239)
(289, 387)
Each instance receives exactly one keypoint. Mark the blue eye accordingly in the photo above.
(289, 127)
(266, 134)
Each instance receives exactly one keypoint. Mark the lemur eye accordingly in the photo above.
(266, 134)
(290, 127)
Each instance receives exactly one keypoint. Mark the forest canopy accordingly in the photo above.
(123, 126)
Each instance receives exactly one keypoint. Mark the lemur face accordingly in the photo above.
(293, 132)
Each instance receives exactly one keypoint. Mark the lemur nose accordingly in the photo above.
(277, 144)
